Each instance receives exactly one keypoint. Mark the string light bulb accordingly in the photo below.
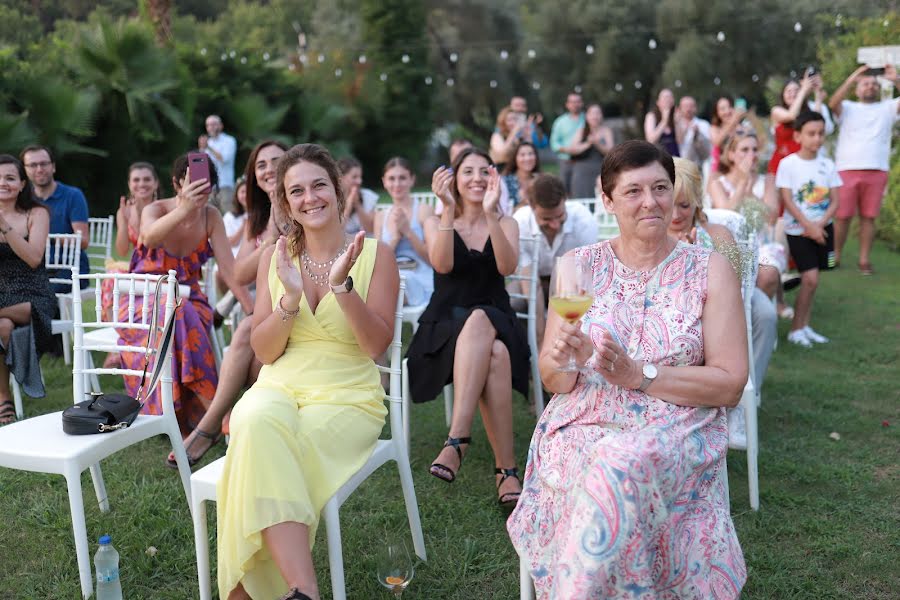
(338, 72)
(450, 82)
(755, 78)
(362, 59)
(321, 58)
(651, 44)
(454, 57)
(504, 55)
(531, 53)
(618, 87)
(589, 48)
(428, 81)
(383, 77)
(678, 83)
(798, 27)
(638, 85)
(202, 51)
(720, 36)
(493, 83)
(405, 58)
(717, 81)
(266, 56)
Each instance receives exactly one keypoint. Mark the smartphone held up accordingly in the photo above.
(198, 166)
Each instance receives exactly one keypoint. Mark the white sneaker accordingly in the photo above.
(815, 337)
(800, 338)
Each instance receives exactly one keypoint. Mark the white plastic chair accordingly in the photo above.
(216, 336)
(525, 245)
(100, 233)
(526, 585)
(750, 398)
(39, 444)
(607, 226)
(204, 481)
(63, 251)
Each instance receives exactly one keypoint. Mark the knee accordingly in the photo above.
(768, 280)
(260, 412)
(6, 327)
(810, 279)
(499, 355)
(479, 324)
(241, 335)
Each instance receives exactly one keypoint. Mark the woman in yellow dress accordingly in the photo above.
(324, 311)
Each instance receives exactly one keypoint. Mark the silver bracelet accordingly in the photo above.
(286, 314)
(443, 228)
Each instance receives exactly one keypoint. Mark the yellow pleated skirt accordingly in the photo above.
(289, 453)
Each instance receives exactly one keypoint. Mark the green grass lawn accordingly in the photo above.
(828, 526)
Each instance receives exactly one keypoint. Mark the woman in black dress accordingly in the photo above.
(469, 334)
(25, 297)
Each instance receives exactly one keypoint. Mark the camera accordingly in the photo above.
(810, 71)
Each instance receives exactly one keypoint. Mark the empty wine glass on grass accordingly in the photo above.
(395, 568)
(570, 292)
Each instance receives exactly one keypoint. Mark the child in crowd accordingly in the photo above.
(809, 187)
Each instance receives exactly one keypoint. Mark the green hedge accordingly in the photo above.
(888, 223)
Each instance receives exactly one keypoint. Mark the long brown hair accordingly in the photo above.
(26, 200)
(317, 155)
(259, 207)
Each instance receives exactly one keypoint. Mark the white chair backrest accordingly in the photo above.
(394, 395)
(63, 251)
(528, 246)
(101, 241)
(138, 290)
(427, 197)
(607, 226)
(732, 220)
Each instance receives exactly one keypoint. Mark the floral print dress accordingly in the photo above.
(624, 494)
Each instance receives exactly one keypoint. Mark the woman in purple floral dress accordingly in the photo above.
(181, 234)
(625, 492)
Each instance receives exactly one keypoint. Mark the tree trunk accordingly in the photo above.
(160, 13)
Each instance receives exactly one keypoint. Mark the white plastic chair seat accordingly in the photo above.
(18, 451)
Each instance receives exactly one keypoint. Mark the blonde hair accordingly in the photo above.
(689, 185)
(501, 121)
(730, 145)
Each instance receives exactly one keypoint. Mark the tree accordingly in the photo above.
(399, 120)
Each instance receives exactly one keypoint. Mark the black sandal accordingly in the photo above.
(455, 443)
(214, 439)
(7, 412)
(508, 500)
(295, 594)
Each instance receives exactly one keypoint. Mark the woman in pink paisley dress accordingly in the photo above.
(625, 488)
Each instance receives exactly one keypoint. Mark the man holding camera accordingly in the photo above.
(863, 156)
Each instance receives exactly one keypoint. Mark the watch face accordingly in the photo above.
(649, 371)
(349, 283)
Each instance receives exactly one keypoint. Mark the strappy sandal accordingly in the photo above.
(295, 594)
(213, 440)
(509, 499)
(866, 269)
(454, 443)
(7, 412)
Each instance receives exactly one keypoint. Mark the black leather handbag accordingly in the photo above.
(110, 412)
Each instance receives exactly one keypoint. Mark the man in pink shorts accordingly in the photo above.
(863, 156)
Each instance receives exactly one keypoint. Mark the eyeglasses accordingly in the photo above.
(38, 165)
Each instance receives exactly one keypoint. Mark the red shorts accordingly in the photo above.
(862, 189)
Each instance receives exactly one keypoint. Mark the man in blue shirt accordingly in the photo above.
(68, 207)
(561, 135)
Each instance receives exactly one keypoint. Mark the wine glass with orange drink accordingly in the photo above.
(570, 292)
(395, 568)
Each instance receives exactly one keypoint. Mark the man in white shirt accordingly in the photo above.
(222, 149)
(695, 144)
(863, 156)
(559, 227)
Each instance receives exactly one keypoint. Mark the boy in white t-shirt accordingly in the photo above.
(809, 187)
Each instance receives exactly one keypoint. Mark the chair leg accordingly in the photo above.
(537, 388)
(100, 487)
(406, 407)
(17, 397)
(412, 507)
(184, 468)
(201, 546)
(91, 381)
(79, 529)
(448, 402)
(65, 314)
(526, 591)
(750, 418)
(335, 551)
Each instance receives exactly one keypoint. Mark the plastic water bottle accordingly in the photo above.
(106, 563)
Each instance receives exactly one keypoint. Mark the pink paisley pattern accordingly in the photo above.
(624, 494)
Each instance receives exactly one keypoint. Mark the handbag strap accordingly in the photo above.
(163, 343)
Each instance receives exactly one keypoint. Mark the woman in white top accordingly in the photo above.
(359, 210)
(235, 218)
(740, 181)
(401, 227)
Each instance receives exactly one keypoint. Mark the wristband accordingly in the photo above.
(448, 228)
